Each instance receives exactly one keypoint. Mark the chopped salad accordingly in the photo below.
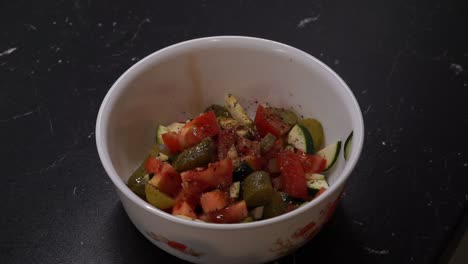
(225, 167)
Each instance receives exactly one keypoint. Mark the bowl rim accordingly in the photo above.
(358, 131)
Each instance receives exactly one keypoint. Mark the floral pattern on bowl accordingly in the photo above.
(285, 246)
(175, 245)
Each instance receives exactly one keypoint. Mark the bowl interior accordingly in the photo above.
(178, 82)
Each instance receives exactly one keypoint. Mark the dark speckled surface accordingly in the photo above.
(406, 62)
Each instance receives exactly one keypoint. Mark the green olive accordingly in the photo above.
(257, 189)
(316, 131)
(197, 156)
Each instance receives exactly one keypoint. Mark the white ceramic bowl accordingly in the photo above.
(177, 83)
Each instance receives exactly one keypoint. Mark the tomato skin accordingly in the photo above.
(292, 176)
(218, 174)
(277, 147)
(182, 207)
(214, 200)
(312, 163)
(171, 140)
(322, 190)
(266, 122)
(234, 213)
(226, 139)
(255, 162)
(152, 165)
(192, 133)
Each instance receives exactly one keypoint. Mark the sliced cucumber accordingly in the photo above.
(347, 146)
(234, 190)
(314, 186)
(256, 213)
(289, 148)
(314, 176)
(330, 154)
(317, 184)
(316, 131)
(300, 138)
(189, 218)
(227, 122)
(236, 110)
(248, 219)
(161, 130)
(174, 127)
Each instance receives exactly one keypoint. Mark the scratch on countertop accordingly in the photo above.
(146, 20)
(74, 190)
(307, 20)
(51, 126)
(389, 170)
(358, 223)
(52, 165)
(367, 109)
(17, 116)
(91, 134)
(456, 68)
(376, 252)
(31, 26)
(59, 159)
(8, 51)
(395, 62)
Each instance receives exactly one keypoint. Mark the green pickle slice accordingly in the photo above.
(277, 206)
(157, 198)
(257, 189)
(219, 111)
(197, 156)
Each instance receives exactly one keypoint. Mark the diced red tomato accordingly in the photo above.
(322, 190)
(275, 149)
(254, 162)
(182, 207)
(167, 180)
(192, 133)
(293, 180)
(266, 122)
(226, 139)
(213, 201)
(152, 165)
(218, 174)
(248, 147)
(171, 140)
(231, 214)
(312, 163)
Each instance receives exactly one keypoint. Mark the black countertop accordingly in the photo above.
(406, 62)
